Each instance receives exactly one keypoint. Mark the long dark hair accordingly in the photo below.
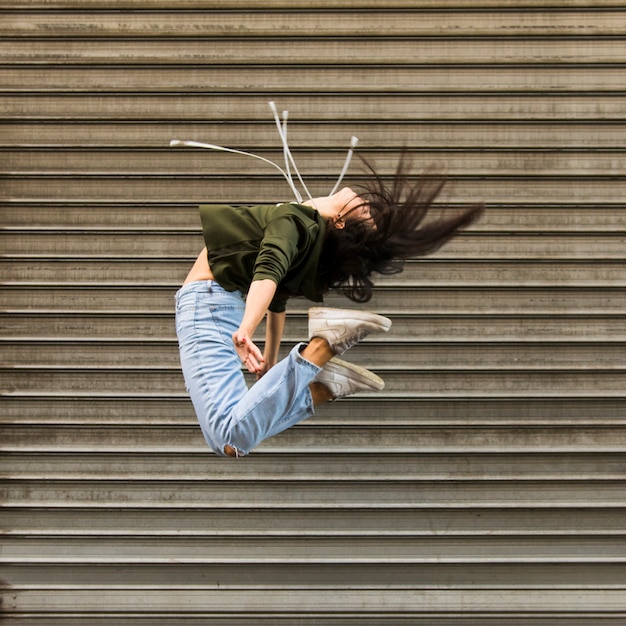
(352, 254)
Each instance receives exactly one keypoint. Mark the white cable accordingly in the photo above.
(286, 148)
(282, 131)
(209, 146)
(286, 156)
(353, 144)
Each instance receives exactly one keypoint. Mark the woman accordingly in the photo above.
(254, 260)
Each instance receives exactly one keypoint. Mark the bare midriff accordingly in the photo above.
(200, 269)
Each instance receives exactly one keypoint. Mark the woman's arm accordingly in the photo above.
(260, 295)
(275, 325)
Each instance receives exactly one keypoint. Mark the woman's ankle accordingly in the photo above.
(320, 393)
(318, 352)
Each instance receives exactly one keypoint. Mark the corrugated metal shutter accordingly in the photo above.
(484, 486)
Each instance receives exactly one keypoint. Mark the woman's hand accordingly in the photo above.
(260, 295)
(249, 353)
(267, 365)
(265, 368)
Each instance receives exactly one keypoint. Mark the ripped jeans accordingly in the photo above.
(230, 413)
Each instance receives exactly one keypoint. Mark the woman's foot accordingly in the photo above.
(343, 328)
(342, 379)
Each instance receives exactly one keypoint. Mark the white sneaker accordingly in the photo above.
(343, 378)
(343, 328)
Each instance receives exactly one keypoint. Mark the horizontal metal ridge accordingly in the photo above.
(583, 162)
(217, 526)
(571, 136)
(364, 22)
(311, 549)
(316, 438)
(188, 51)
(379, 354)
(231, 602)
(352, 617)
(336, 7)
(275, 464)
(317, 495)
(412, 330)
(310, 78)
(406, 409)
(450, 383)
(451, 108)
(293, 575)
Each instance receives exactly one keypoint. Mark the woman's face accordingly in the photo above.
(345, 205)
(351, 206)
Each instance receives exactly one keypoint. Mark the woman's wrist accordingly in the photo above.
(270, 358)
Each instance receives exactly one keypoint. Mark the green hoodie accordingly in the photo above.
(281, 242)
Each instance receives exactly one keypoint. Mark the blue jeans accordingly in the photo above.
(228, 412)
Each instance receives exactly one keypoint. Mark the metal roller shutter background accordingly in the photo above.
(485, 485)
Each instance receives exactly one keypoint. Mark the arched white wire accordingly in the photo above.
(289, 160)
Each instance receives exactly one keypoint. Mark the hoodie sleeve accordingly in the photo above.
(277, 250)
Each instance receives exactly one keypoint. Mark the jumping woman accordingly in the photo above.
(256, 258)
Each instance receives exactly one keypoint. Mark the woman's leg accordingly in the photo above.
(231, 415)
(206, 316)
(233, 418)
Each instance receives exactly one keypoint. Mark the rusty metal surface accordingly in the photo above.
(485, 485)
